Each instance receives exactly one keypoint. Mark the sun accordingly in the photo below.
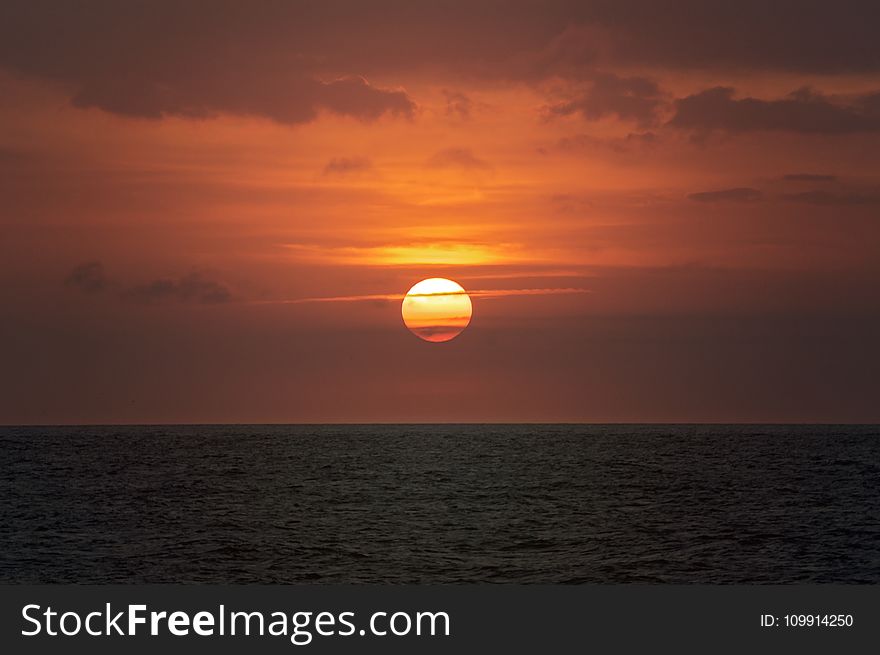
(436, 309)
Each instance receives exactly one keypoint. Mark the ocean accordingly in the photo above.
(440, 504)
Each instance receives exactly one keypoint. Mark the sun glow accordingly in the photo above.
(415, 254)
(436, 309)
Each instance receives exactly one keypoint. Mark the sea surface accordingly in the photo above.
(440, 504)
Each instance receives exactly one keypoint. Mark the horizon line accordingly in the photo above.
(467, 423)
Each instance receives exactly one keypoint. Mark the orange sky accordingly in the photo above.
(663, 220)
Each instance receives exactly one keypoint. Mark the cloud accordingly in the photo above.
(290, 98)
(355, 96)
(739, 194)
(809, 177)
(456, 158)
(167, 59)
(345, 165)
(397, 297)
(288, 64)
(629, 98)
(232, 45)
(836, 198)
(458, 104)
(786, 35)
(192, 288)
(803, 111)
(87, 277)
(632, 142)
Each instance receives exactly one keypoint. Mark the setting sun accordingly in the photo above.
(437, 309)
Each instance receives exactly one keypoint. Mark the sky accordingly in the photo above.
(668, 212)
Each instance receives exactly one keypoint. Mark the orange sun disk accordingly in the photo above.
(437, 309)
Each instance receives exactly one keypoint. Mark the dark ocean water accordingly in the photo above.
(448, 504)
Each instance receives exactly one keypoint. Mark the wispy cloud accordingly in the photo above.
(193, 288)
(438, 253)
(347, 165)
(88, 277)
(397, 297)
(458, 104)
(457, 158)
(839, 198)
(809, 177)
(739, 194)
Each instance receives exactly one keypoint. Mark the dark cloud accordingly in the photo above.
(587, 143)
(739, 194)
(809, 177)
(802, 36)
(458, 104)
(836, 198)
(344, 165)
(192, 288)
(629, 98)
(284, 60)
(290, 98)
(193, 60)
(88, 277)
(456, 158)
(355, 96)
(803, 111)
